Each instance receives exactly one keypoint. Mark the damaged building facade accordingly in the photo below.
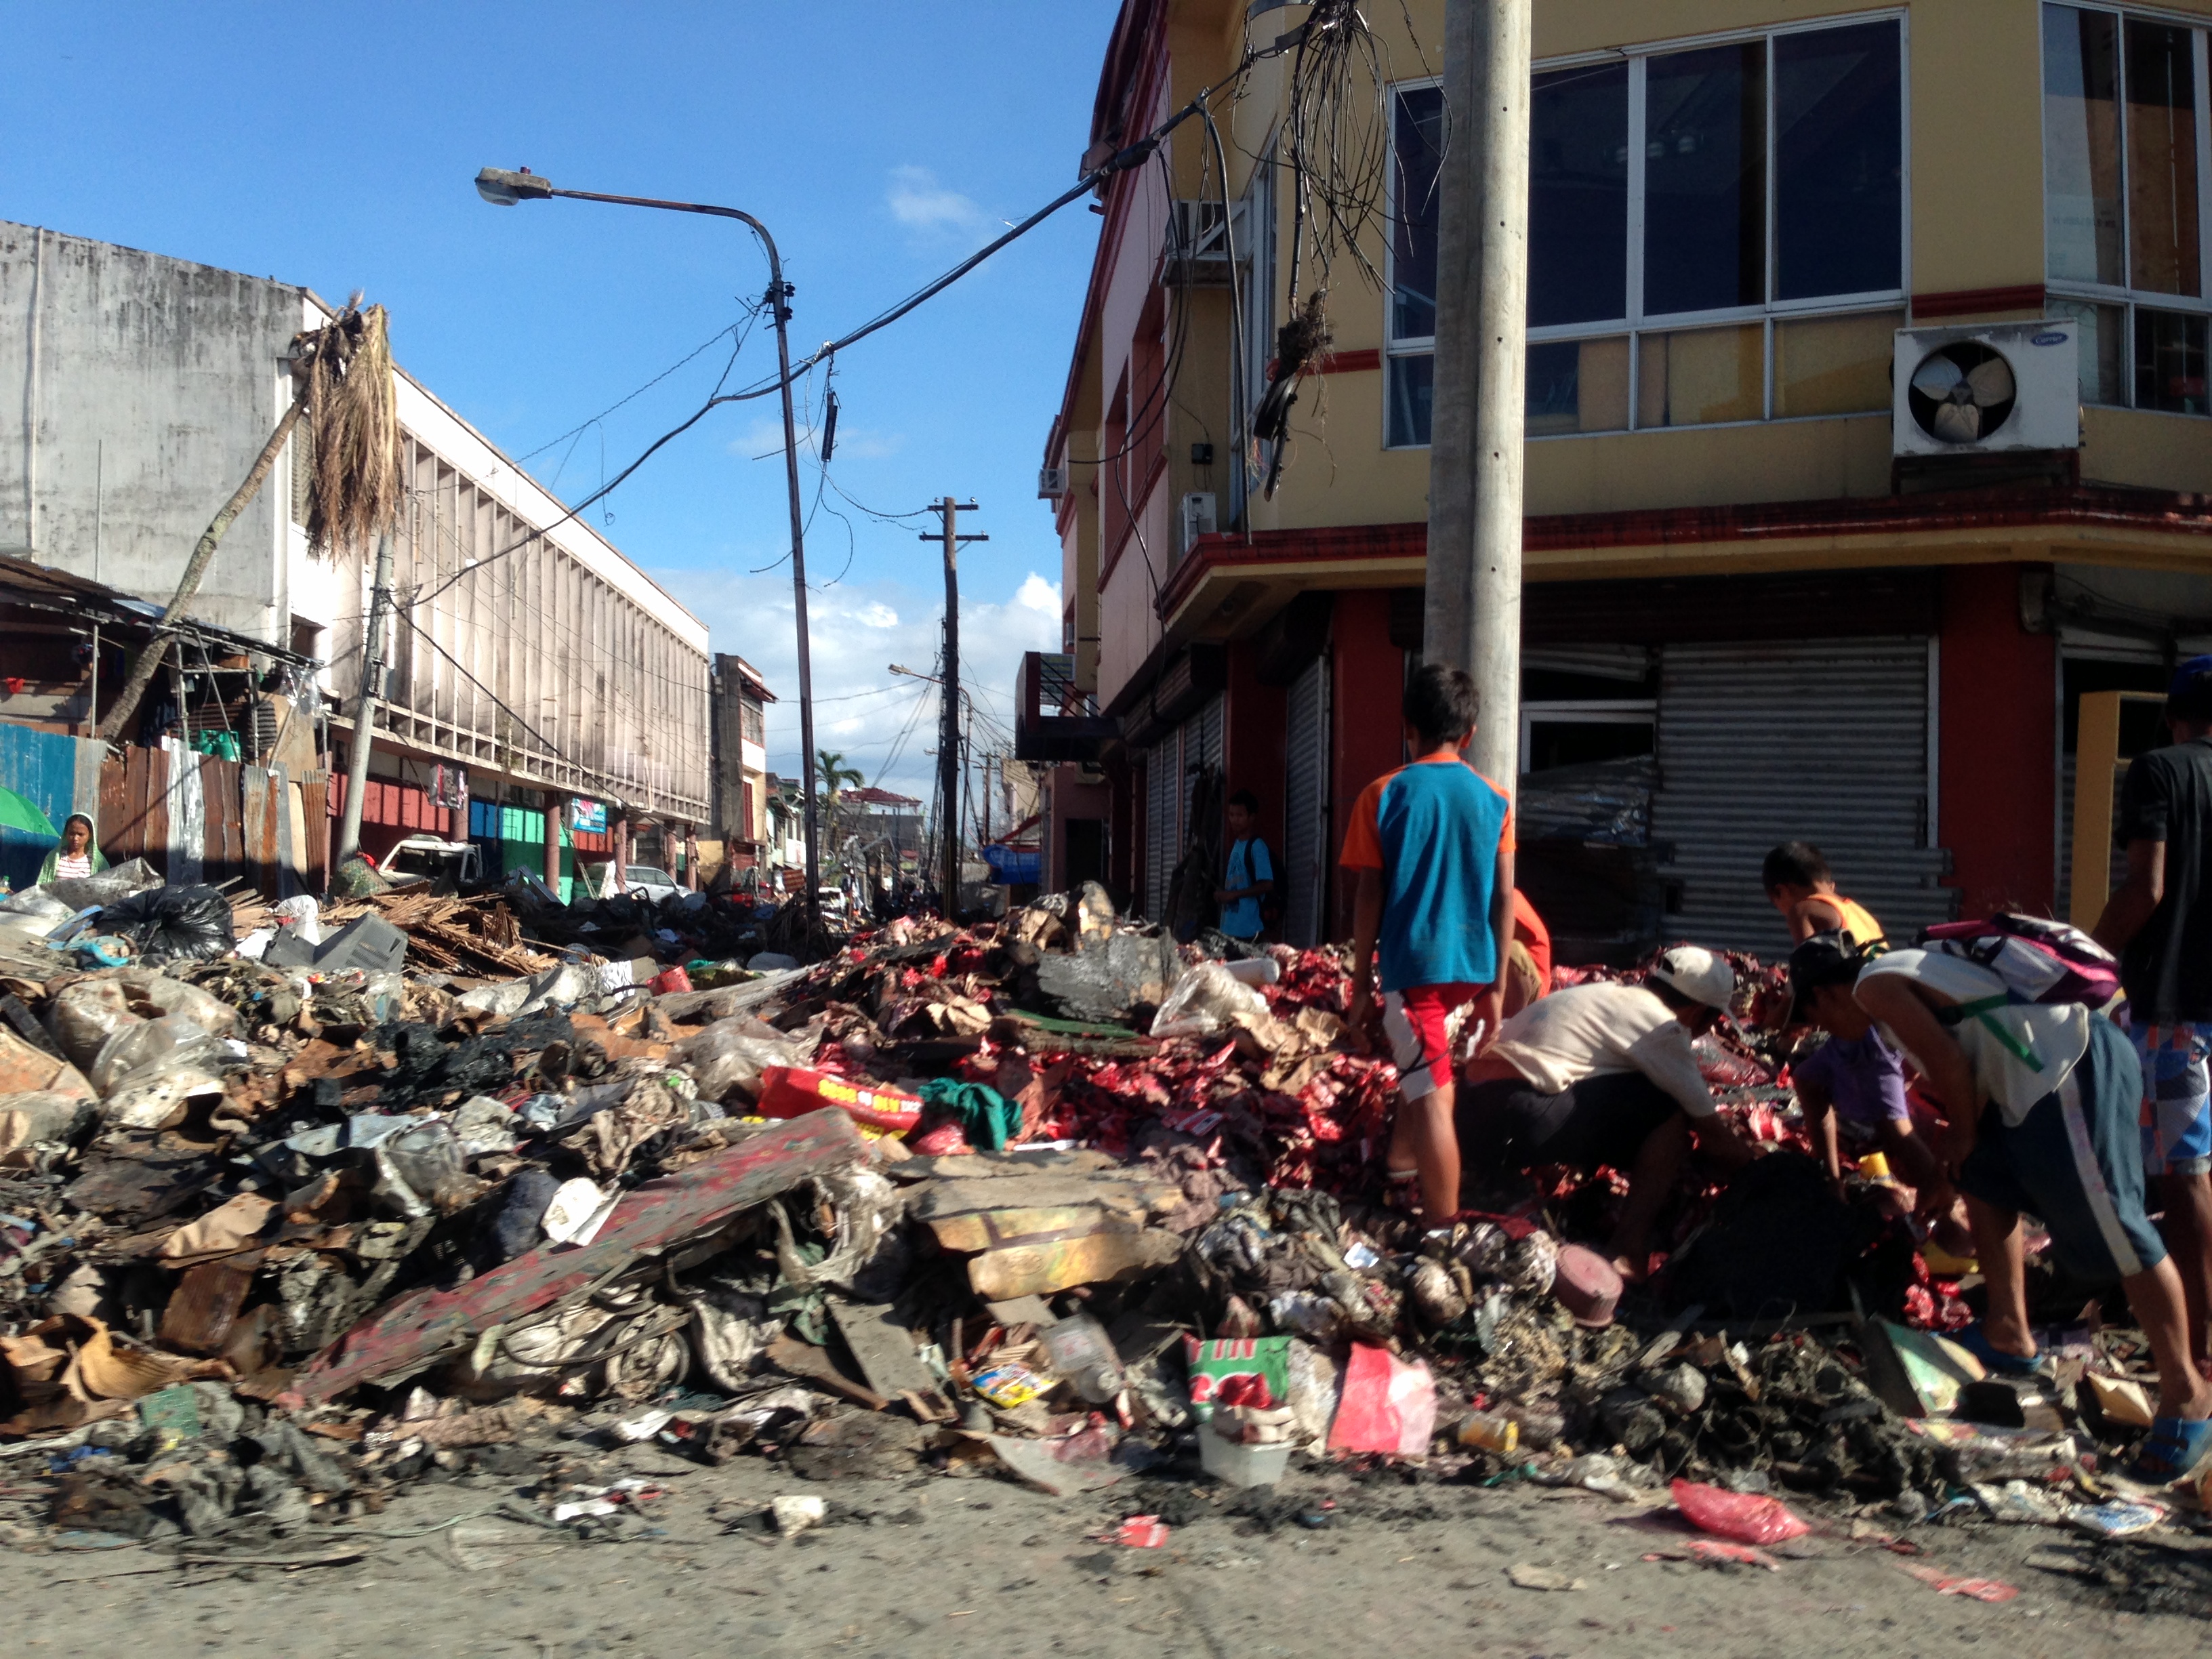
(534, 676)
(1765, 597)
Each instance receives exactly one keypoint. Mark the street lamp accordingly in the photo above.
(504, 189)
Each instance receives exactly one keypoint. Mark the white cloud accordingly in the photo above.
(927, 208)
(855, 631)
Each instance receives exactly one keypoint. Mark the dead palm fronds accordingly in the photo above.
(344, 375)
(341, 377)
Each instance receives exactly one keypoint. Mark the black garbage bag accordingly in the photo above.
(173, 924)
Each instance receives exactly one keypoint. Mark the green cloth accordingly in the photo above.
(987, 1117)
(46, 870)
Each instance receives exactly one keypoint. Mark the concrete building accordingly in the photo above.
(534, 674)
(1752, 611)
(741, 697)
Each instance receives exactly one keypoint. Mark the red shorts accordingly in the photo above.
(1414, 1020)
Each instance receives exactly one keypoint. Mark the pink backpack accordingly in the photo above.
(2039, 960)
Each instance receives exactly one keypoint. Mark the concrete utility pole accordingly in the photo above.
(364, 702)
(948, 738)
(1474, 616)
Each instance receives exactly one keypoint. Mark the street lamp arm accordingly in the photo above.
(775, 263)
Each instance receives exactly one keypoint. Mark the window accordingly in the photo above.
(1716, 233)
(2124, 126)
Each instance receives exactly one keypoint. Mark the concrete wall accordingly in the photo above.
(173, 368)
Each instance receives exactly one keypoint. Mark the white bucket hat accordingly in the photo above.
(1698, 973)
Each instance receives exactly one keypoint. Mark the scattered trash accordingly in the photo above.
(1742, 1517)
(1527, 1577)
(1141, 1532)
(1980, 1590)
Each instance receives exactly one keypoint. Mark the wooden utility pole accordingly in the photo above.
(948, 739)
(1474, 611)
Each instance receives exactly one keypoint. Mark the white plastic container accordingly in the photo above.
(1243, 1465)
(1255, 970)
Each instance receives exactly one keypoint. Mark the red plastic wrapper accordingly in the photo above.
(1746, 1517)
(796, 1090)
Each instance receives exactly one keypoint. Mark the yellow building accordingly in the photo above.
(1771, 594)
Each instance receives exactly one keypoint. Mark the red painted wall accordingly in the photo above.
(1252, 742)
(1367, 677)
(1997, 772)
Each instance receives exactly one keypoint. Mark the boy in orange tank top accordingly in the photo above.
(1800, 884)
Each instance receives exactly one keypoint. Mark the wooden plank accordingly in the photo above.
(1041, 1269)
(988, 1229)
(257, 838)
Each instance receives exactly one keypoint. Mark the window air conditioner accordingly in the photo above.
(1197, 517)
(1986, 390)
(1052, 483)
(1198, 242)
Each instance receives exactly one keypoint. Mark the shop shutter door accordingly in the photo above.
(1163, 784)
(1305, 805)
(1823, 740)
(1202, 739)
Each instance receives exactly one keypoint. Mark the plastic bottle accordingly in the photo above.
(1083, 1353)
(1491, 1431)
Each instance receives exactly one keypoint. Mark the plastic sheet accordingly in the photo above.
(727, 1057)
(1208, 999)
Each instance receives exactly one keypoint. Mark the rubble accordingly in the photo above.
(1053, 1198)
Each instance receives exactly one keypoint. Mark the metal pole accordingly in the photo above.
(948, 739)
(364, 711)
(1473, 609)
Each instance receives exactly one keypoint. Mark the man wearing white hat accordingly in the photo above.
(1604, 1074)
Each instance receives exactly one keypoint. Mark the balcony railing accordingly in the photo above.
(1053, 718)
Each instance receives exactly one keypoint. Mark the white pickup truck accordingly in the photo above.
(443, 867)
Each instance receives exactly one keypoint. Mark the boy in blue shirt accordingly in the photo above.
(1431, 845)
(1248, 873)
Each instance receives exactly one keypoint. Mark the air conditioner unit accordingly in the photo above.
(1197, 517)
(1199, 237)
(1986, 390)
(1052, 483)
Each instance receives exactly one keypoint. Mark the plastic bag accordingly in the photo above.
(302, 918)
(173, 924)
(86, 1014)
(428, 1159)
(36, 910)
(110, 886)
(1747, 1517)
(728, 1056)
(1205, 999)
(1387, 1407)
(151, 1046)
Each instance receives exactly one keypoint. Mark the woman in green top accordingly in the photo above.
(77, 856)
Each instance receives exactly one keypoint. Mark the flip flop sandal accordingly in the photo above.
(2175, 1448)
(1975, 1340)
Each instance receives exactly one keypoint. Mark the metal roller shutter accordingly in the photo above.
(1202, 739)
(1822, 740)
(1305, 805)
(1163, 787)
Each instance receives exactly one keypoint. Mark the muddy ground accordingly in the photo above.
(930, 1566)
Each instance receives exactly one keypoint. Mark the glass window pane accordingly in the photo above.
(2104, 349)
(1418, 147)
(1411, 393)
(2081, 145)
(1704, 147)
(1578, 195)
(2162, 137)
(1701, 376)
(1839, 161)
(2169, 361)
(1578, 386)
(1834, 365)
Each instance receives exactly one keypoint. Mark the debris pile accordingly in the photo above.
(419, 1183)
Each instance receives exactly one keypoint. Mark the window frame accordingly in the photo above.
(2130, 300)
(1637, 322)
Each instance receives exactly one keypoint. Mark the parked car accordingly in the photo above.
(442, 866)
(642, 881)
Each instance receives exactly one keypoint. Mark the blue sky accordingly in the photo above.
(880, 143)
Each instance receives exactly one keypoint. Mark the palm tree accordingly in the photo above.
(836, 775)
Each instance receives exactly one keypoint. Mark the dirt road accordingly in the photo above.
(932, 1566)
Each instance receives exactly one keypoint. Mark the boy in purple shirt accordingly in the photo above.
(1852, 1086)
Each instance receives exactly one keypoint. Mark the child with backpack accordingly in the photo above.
(2042, 1092)
(1248, 874)
(1431, 849)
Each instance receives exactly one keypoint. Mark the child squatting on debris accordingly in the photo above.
(2041, 1099)
(1852, 1086)
(1604, 1074)
(1432, 847)
(1800, 884)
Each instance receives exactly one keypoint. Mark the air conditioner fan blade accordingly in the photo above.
(1992, 382)
(1957, 423)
